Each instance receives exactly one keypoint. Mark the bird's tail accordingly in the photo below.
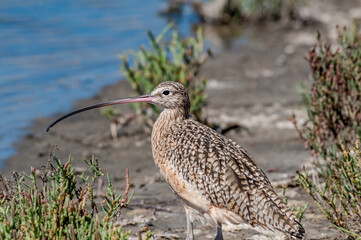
(300, 233)
(273, 213)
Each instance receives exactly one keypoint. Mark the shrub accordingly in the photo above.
(333, 105)
(178, 60)
(338, 194)
(333, 127)
(269, 9)
(251, 10)
(59, 208)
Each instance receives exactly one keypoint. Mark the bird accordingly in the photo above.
(213, 177)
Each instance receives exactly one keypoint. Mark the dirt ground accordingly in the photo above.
(252, 84)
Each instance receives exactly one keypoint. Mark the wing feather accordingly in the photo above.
(227, 176)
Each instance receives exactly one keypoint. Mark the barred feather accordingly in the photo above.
(215, 178)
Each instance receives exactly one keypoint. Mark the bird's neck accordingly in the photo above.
(165, 121)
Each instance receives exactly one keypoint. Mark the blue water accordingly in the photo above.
(53, 52)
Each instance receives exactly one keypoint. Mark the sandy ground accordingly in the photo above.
(252, 84)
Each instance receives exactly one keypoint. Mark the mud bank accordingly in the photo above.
(252, 85)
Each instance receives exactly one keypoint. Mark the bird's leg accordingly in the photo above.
(219, 232)
(190, 235)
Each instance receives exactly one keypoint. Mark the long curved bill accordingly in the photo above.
(142, 98)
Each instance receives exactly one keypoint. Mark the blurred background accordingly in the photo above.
(284, 74)
(55, 52)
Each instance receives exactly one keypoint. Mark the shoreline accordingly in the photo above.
(252, 86)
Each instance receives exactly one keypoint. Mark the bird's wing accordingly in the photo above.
(226, 176)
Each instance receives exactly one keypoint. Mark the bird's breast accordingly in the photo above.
(185, 191)
(164, 153)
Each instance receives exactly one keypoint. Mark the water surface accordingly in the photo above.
(53, 52)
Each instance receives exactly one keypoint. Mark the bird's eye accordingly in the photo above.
(166, 92)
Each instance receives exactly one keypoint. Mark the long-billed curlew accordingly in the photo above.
(215, 179)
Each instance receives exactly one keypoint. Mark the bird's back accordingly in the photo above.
(217, 179)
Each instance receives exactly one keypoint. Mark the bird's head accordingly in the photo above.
(171, 95)
(168, 95)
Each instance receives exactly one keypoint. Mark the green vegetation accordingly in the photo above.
(54, 206)
(249, 10)
(178, 60)
(298, 210)
(338, 193)
(268, 9)
(332, 131)
(333, 105)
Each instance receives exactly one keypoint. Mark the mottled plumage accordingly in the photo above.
(215, 179)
